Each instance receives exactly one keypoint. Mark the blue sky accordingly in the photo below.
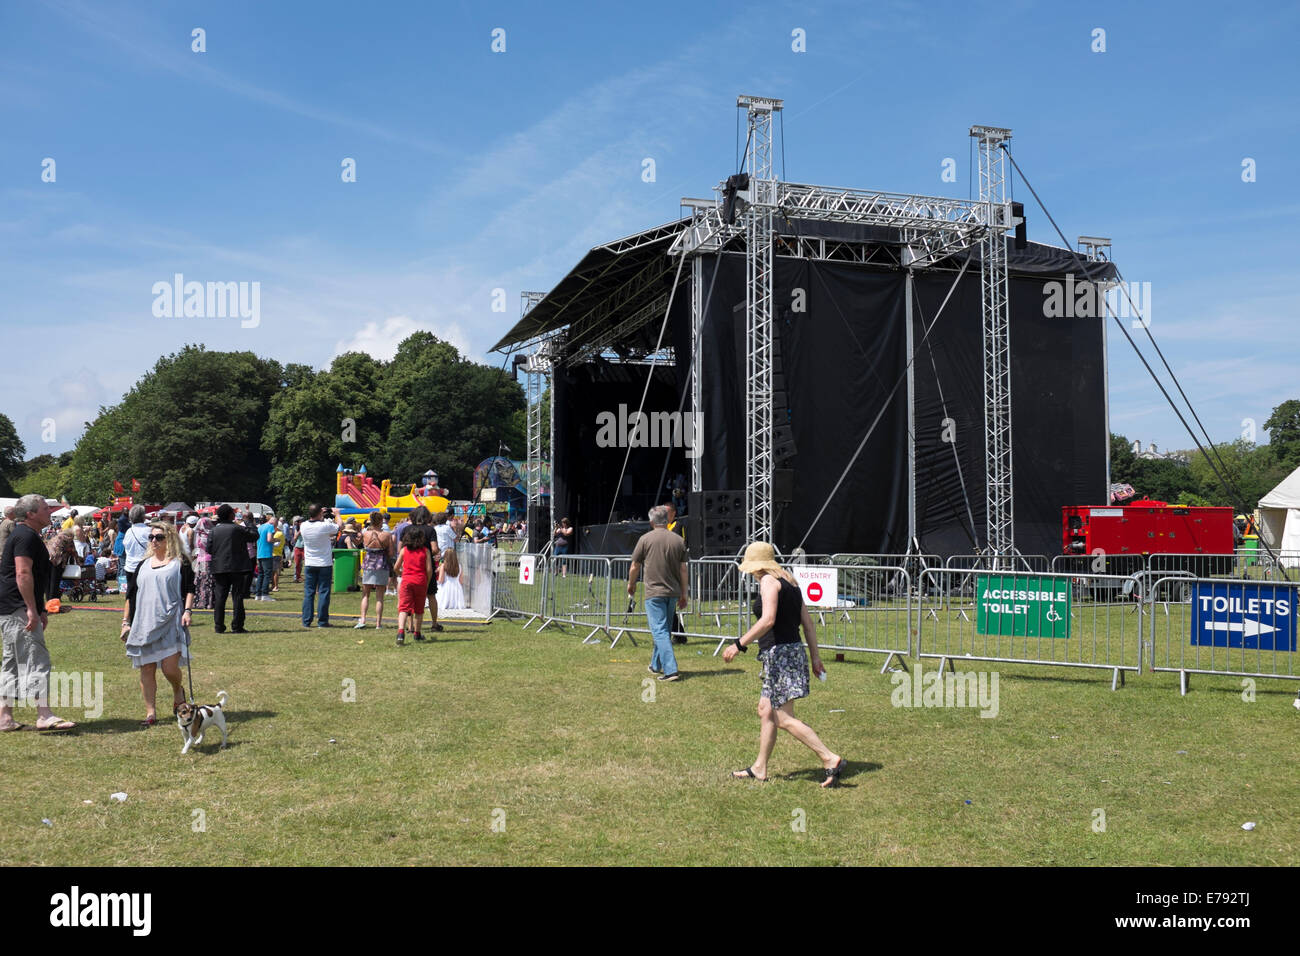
(479, 170)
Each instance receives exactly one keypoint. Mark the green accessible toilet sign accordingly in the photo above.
(1016, 605)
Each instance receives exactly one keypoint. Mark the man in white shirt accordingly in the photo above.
(317, 535)
(136, 544)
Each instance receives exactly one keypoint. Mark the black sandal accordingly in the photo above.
(748, 772)
(833, 773)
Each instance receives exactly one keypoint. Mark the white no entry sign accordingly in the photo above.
(527, 568)
(820, 586)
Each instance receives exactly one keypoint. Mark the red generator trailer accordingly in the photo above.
(1144, 527)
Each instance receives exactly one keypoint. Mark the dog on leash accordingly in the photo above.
(195, 719)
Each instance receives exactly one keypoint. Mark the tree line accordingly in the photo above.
(212, 426)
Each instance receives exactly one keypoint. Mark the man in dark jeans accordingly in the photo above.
(231, 566)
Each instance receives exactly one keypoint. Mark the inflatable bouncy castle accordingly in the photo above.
(356, 494)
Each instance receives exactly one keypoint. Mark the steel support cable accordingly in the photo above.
(1146, 325)
(654, 361)
(889, 398)
(1233, 493)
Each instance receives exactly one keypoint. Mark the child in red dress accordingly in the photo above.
(415, 564)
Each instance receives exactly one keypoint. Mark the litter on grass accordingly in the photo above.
(120, 796)
(1248, 826)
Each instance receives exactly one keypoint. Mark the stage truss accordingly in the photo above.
(932, 229)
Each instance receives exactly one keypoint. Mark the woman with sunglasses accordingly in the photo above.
(157, 633)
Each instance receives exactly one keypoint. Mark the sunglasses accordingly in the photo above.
(157, 537)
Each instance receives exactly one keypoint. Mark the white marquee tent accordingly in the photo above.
(1279, 519)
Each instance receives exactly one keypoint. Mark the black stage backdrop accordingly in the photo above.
(842, 356)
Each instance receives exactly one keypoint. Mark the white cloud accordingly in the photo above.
(380, 341)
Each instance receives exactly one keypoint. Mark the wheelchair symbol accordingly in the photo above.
(1052, 614)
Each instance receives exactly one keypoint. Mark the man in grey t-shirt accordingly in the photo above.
(662, 555)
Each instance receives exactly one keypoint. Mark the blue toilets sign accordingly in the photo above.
(1244, 614)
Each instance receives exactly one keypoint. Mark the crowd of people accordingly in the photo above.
(170, 566)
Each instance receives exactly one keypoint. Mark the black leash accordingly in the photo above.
(188, 671)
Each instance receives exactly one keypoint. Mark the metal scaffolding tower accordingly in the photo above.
(537, 372)
(932, 229)
(997, 341)
(758, 317)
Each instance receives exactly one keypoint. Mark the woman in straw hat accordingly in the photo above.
(780, 611)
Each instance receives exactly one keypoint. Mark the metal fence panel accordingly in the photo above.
(1171, 617)
(1197, 565)
(578, 592)
(512, 596)
(1008, 616)
(1099, 563)
(715, 611)
(1027, 563)
(872, 613)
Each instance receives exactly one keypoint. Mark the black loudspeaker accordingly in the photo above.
(782, 485)
(783, 446)
(718, 525)
(1018, 217)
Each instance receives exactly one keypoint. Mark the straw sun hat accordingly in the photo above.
(759, 556)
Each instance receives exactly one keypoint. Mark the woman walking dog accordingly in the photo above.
(155, 634)
(780, 611)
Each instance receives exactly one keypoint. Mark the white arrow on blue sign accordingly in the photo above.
(1244, 614)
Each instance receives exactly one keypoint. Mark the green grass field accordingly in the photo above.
(496, 745)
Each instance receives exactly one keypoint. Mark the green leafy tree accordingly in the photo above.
(448, 413)
(1250, 470)
(321, 421)
(46, 475)
(1283, 428)
(190, 429)
(11, 456)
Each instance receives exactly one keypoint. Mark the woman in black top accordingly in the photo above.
(780, 612)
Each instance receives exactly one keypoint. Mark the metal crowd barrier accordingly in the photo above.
(872, 613)
(1280, 565)
(1197, 565)
(1123, 564)
(716, 610)
(1021, 563)
(578, 592)
(512, 595)
(1232, 628)
(1061, 620)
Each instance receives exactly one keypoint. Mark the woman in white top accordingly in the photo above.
(157, 632)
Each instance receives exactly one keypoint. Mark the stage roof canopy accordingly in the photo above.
(618, 278)
(617, 295)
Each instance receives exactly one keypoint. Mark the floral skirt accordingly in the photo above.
(785, 673)
(203, 586)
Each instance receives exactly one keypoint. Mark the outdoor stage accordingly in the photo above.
(864, 329)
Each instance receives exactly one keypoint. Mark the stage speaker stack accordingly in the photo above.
(719, 526)
(783, 446)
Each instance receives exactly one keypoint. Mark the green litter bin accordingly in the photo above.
(345, 569)
(1250, 544)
